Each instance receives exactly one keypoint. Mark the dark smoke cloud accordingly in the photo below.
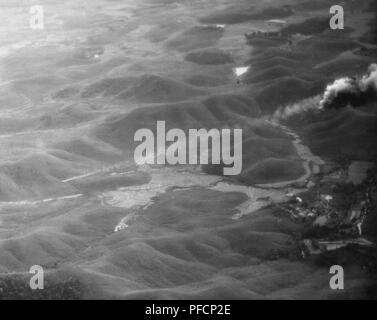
(351, 91)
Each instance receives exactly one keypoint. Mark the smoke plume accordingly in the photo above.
(342, 92)
(288, 111)
(354, 91)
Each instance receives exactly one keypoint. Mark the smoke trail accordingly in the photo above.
(286, 112)
(354, 91)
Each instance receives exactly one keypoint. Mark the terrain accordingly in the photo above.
(72, 95)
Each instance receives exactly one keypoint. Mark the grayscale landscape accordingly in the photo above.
(73, 201)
